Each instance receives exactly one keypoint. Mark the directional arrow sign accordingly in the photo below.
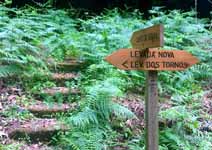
(151, 59)
(148, 38)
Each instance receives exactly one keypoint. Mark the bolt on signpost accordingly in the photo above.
(146, 56)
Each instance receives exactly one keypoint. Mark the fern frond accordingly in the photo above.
(5, 53)
(8, 60)
(122, 112)
(8, 70)
(84, 118)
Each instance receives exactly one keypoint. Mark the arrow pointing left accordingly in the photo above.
(125, 64)
(120, 59)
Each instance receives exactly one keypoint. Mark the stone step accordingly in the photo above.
(64, 76)
(37, 130)
(72, 63)
(60, 90)
(40, 108)
(67, 65)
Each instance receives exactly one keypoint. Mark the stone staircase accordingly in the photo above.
(60, 90)
(40, 108)
(36, 129)
(44, 125)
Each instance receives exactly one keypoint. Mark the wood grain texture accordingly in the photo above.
(151, 59)
(148, 38)
(151, 113)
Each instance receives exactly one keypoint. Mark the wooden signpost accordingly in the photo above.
(148, 38)
(145, 55)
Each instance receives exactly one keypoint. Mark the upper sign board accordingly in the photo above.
(151, 37)
(151, 59)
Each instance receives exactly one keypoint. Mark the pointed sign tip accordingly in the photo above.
(197, 60)
(108, 59)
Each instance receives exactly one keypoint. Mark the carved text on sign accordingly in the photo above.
(151, 59)
(148, 38)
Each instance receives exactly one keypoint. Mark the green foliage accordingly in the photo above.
(170, 140)
(99, 107)
(15, 112)
(38, 87)
(10, 146)
(96, 112)
(85, 140)
(18, 52)
(184, 132)
(8, 70)
(185, 119)
(84, 118)
(29, 36)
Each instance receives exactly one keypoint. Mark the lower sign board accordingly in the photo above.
(151, 59)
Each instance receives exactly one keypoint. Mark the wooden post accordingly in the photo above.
(152, 61)
(151, 112)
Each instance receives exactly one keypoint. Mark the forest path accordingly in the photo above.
(54, 103)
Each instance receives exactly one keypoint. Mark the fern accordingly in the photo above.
(99, 107)
(121, 111)
(90, 139)
(9, 70)
(84, 118)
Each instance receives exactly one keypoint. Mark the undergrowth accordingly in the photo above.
(29, 36)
